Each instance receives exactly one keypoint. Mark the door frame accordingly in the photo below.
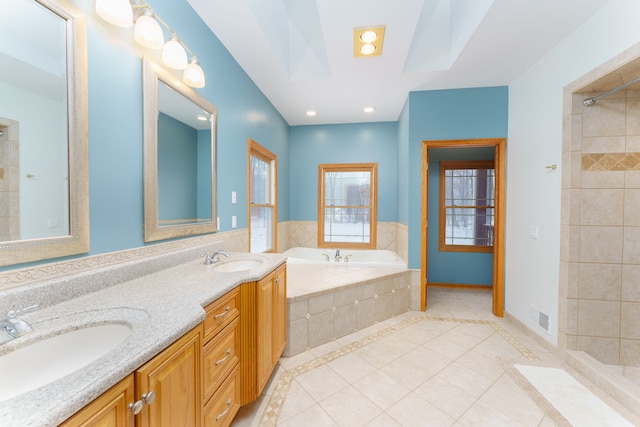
(500, 147)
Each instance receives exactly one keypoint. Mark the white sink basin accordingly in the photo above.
(50, 359)
(241, 264)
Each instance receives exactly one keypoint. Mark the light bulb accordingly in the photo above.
(173, 54)
(369, 36)
(193, 75)
(367, 49)
(148, 32)
(116, 12)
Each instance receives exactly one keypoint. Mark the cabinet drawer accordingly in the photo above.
(220, 313)
(220, 410)
(221, 356)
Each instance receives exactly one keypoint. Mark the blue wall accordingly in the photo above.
(115, 125)
(343, 143)
(116, 135)
(447, 115)
(403, 165)
(444, 267)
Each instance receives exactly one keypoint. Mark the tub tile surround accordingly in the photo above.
(329, 302)
(159, 291)
(391, 236)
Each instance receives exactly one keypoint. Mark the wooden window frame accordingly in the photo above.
(372, 168)
(462, 164)
(258, 151)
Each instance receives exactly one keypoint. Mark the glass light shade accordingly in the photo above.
(148, 32)
(116, 12)
(173, 54)
(367, 49)
(369, 36)
(193, 75)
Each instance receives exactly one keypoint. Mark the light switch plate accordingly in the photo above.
(233, 197)
(234, 221)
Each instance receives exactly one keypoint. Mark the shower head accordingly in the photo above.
(589, 102)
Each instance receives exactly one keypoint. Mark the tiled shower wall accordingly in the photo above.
(600, 259)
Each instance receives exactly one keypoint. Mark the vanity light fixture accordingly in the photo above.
(368, 41)
(115, 12)
(148, 33)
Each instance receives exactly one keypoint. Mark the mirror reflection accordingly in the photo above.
(34, 186)
(179, 157)
(184, 154)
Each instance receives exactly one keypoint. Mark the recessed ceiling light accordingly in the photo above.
(369, 36)
(203, 118)
(367, 41)
(367, 49)
(369, 109)
(311, 113)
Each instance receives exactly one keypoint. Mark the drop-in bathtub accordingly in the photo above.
(327, 300)
(378, 257)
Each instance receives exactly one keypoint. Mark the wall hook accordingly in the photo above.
(552, 167)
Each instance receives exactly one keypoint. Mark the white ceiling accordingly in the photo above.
(300, 52)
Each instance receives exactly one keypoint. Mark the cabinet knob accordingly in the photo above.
(135, 407)
(149, 397)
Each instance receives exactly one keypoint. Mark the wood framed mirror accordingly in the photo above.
(179, 157)
(44, 179)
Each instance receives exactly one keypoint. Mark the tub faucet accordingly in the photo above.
(12, 327)
(338, 257)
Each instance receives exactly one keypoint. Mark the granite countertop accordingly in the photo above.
(159, 308)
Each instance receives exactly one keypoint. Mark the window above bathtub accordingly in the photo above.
(347, 205)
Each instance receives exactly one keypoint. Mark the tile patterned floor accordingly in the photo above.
(448, 366)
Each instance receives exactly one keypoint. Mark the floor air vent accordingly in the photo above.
(539, 318)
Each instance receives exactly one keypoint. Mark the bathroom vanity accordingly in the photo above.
(207, 342)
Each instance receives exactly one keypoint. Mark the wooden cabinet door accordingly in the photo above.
(174, 377)
(264, 330)
(108, 410)
(279, 313)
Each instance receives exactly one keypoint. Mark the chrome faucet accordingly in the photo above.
(337, 257)
(12, 327)
(215, 257)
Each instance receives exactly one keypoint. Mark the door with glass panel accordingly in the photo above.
(262, 199)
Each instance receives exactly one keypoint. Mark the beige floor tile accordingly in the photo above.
(413, 410)
(297, 401)
(416, 367)
(381, 389)
(383, 420)
(508, 398)
(351, 367)
(350, 408)
(321, 382)
(422, 369)
(315, 416)
(465, 379)
(445, 396)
